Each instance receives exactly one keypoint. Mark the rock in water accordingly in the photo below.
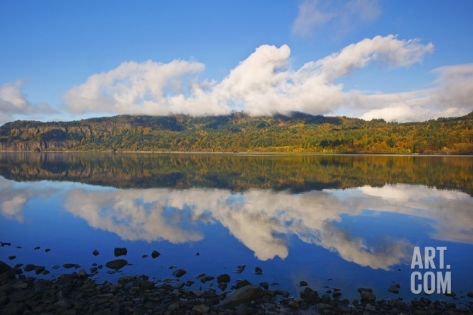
(116, 264)
(38, 269)
(367, 296)
(258, 271)
(120, 251)
(470, 294)
(179, 273)
(303, 283)
(4, 267)
(28, 267)
(310, 296)
(239, 269)
(242, 295)
(242, 283)
(155, 254)
(394, 289)
(69, 266)
(204, 279)
(95, 252)
(223, 278)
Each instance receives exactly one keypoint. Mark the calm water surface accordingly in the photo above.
(337, 221)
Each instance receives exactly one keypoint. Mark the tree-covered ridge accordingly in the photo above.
(238, 172)
(240, 132)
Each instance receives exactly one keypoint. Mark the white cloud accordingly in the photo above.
(13, 103)
(141, 88)
(265, 83)
(345, 15)
(310, 16)
(455, 86)
(452, 95)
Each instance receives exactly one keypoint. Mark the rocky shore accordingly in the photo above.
(77, 293)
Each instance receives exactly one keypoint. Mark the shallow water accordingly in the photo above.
(331, 220)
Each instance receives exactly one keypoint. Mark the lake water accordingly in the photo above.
(331, 220)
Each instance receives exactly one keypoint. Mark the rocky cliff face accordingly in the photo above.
(37, 136)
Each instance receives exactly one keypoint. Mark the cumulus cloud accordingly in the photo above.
(13, 103)
(345, 15)
(455, 86)
(265, 83)
(451, 95)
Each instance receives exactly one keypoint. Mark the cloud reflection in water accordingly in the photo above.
(263, 220)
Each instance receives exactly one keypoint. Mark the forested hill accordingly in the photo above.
(239, 132)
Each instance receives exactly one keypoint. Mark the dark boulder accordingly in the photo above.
(223, 278)
(242, 295)
(204, 279)
(120, 251)
(4, 267)
(116, 264)
(310, 296)
(179, 273)
(242, 283)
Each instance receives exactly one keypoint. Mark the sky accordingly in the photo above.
(396, 60)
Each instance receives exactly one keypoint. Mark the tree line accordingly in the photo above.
(240, 132)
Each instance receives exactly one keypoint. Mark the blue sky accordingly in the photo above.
(398, 60)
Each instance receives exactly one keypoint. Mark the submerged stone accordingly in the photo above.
(116, 264)
(120, 251)
(179, 273)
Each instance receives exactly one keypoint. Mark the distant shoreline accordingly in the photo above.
(247, 153)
